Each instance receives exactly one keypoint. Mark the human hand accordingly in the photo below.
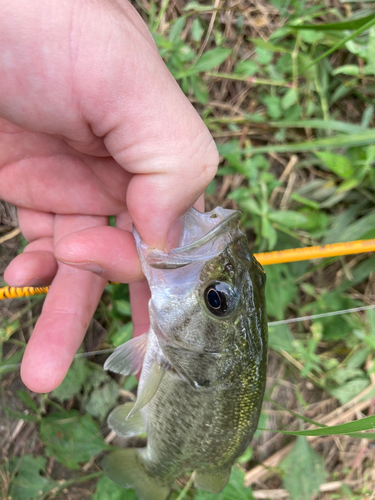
(92, 124)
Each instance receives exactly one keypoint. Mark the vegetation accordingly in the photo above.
(287, 89)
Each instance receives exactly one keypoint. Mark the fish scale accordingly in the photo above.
(203, 362)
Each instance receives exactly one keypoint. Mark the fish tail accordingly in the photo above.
(126, 468)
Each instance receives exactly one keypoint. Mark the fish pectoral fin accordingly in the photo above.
(212, 480)
(126, 468)
(118, 422)
(150, 386)
(128, 358)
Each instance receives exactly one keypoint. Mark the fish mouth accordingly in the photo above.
(204, 235)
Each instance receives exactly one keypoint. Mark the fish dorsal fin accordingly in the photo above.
(150, 386)
(124, 427)
(128, 358)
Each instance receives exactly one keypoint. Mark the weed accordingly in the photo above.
(287, 90)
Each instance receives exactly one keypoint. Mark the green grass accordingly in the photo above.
(288, 94)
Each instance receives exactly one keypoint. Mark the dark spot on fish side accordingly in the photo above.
(203, 383)
(186, 322)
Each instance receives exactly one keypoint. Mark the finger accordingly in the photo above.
(34, 224)
(106, 251)
(139, 297)
(161, 194)
(67, 311)
(36, 266)
(66, 314)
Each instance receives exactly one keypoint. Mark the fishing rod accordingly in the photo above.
(265, 258)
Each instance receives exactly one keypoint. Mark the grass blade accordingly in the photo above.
(340, 141)
(342, 25)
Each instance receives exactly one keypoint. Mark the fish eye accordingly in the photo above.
(217, 299)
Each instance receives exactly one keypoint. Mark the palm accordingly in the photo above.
(49, 175)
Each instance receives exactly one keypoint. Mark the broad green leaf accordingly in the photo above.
(122, 335)
(312, 36)
(347, 69)
(210, 60)
(304, 201)
(123, 307)
(273, 105)
(197, 30)
(108, 490)
(100, 392)
(289, 218)
(264, 56)
(304, 471)
(342, 25)
(259, 42)
(371, 51)
(366, 120)
(102, 399)
(334, 327)
(20, 415)
(280, 277)
(73, 381)
(26, 399)
(340, 223)
(28, 483)
(176, 29)
(359, 274)
(359, 357)
(359, 228)
(348, 391)
(246, 68)
(338, 164)
(130, 383)
(71, 438)
(289, 98)
(235, 489)
(11, 363)
(251, 206)
(7, 332)
(246, 456)
(199, 88)
(306, 67)
(348, 185)
(280, 338)
(342, 375)
(268, 232)
(340, 44)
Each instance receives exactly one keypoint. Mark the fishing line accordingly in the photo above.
(322, 315)
(271, 323)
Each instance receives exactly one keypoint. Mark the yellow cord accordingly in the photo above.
(266, 259)
(318, 252)
(11, 292)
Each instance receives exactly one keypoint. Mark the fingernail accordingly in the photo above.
(174, 234)
(85, 266)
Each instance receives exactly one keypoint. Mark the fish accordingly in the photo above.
(203, 361)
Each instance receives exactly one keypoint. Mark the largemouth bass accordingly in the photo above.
(203, 360)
